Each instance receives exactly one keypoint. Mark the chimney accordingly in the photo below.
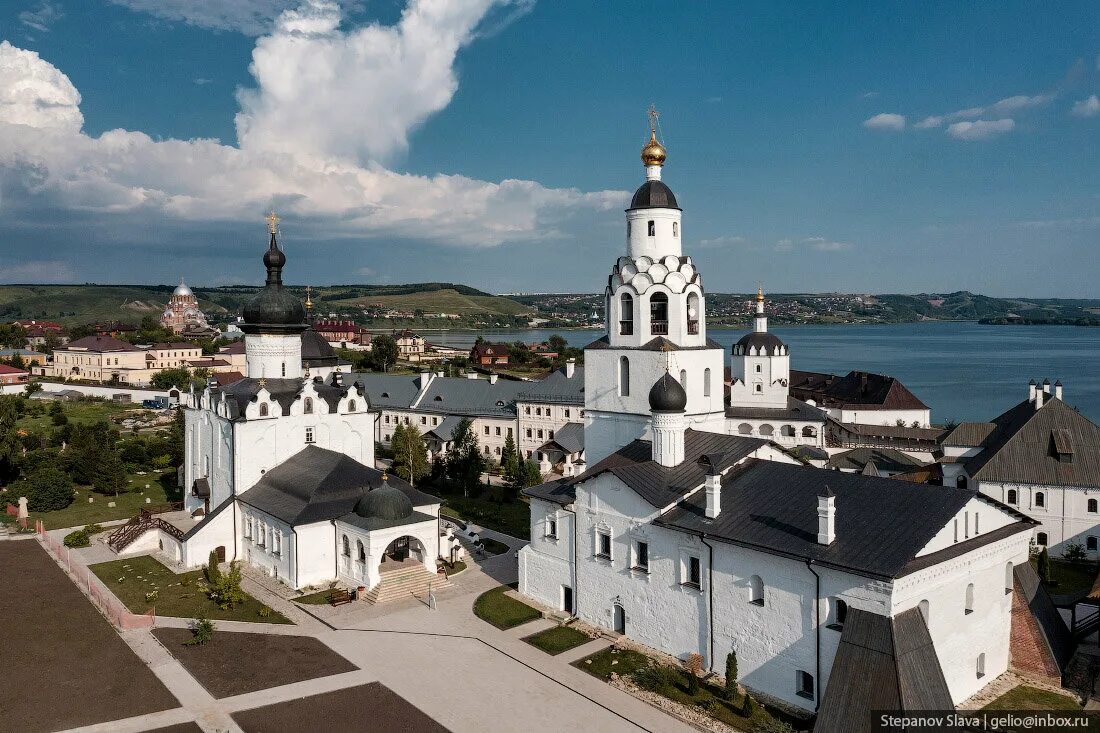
(1039, 399)
(471, 375)
(1031, 391)
(713, 486)
(826, 517)
(570, 367)
(1058, 389)
(439, 372)
(492, 377)
(1046, 385)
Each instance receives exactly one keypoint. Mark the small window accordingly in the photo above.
(486, 429)
(675, 229)
(759, 368)
(528, 434)
(361, 552)
(1040, 499)
(603, 546)
(346, 546)
(960, 482)
(641, 556)
(540, 433)
(351, 406)
(307, 406)
(694, 576)
(706, 383)
(925, 612)
(284, 369)
(263, 410)
(263, 535)
(1009, 579)
(652, 229)
(423, 419)
(1012, 497)
(248, 528)
(1092, 506)
(804, 684)
(498, 430)
(838, 613)
(309, 435)
(527, 410)
(981, 665)
(756, 590)
(1041, 539)
(552, 528)
(759, 389)
(1090, 543)
(624, 377)
(566, 414)
(969, 609)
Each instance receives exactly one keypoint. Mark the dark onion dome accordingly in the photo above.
(385, 502)
(760, 342)
(667, 395)
(653, 195)
(274, 309)
(316, 348)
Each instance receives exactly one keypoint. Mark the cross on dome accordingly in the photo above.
(272, 222)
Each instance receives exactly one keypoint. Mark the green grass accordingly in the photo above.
(1069, 578)
(493, 547)
(511, 517)
(620, 661)
(455, 569)
(161, 490)
(1032, 698)
(320, 598)
(503, 611)
(558, 639)
(178, 595)
(79, 411)
(443, 301)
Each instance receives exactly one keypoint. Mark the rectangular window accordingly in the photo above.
(804, 685)
(567, 412)
(552, 528)
(486, 429)
(309, 435)
(693, 575)
(527, 410)
(540, 434)
(603, 545)
(423, 419)
(498, 430)
(509, 432)
(641, 556)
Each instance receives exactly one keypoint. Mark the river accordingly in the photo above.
(963, 371)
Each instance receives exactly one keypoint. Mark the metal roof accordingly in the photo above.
(865, 390)
(883, 459)
(570, 439)
(795, 410)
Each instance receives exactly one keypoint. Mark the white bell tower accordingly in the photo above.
(760, 366)
(654, 303)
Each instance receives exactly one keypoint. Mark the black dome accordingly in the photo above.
(667, 395)
(315, 347)
(273, 308)
(653, 195)
(385, 502)
(767, 343)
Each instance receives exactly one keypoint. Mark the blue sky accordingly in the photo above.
(862, 147)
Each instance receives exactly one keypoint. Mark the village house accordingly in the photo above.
(489, 354)
(13, 375)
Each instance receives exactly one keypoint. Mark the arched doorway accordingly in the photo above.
(620, 619)
(402, 552)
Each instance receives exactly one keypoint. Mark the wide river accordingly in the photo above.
(963, 371)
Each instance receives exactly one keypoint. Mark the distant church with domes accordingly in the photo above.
(183, 316)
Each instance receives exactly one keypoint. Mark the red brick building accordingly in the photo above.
(487, 354)
(13, 375)
(345, 331)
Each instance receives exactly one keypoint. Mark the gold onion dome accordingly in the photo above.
(653, 153)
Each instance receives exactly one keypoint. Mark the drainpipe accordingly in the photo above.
(295, 531)
(817, 628)
(234, 531)
(710, 598)
(576, 559)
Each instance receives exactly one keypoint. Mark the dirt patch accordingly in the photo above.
(191, 727)
(234, 663)
(65, 666)
(368, 708)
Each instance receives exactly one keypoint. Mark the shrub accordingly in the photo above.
(92, 529)
(151, 596)
(79, 538)
(731, 675)
(264, 612)
(202, 631)
(772, 725)
(657, 677)
(747, 708)
(1075, 552)
(226, 590)
(49, 489)
(212, 572)
(694, 666)
(1044, 566)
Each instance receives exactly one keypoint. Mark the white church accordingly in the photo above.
(840, 593)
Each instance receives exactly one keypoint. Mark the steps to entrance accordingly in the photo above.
(410, 581)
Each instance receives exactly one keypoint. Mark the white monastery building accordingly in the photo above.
(693, 535)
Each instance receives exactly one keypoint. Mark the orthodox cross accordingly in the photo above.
(272, 222)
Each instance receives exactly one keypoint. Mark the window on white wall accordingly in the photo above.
(641, 556)
(263, 536)
(926, 612)
(309, 434)
(248, 528)
(756, 590)
(624, 377)
(307, 407)
(276, 542)
(706, 382)
(981, 665)
(1008, 578)
(838, 612)
(551, 528)
(969, 609)
(1092, 506)
(1041, 539)
(603, 544)
(345, 546)
(804, 684)
(693, 572)
(1012, 498)
(1040, 499)
(360, 551)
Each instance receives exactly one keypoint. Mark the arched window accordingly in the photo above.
(960, 482)
(684, 379)
(1012, 496)
(767, 430)
(756, 590)
(926, 612)
(360, 551)
(693, 313)
(981, 665)
(1092, 506)
(624, 377)
(759, 368)
(652, 228)
(675, 228)
(351, 406)
(307, 406)
(809, 432)
(1008, 578)
(626, 314)
(346, 546)
(658, 314)
(759, 388)
(1041, 539)
(1090, 543)
(706, 382)
(969, 599)
(787, 431)
(263, 410)
(1040, 499)
(744, 429)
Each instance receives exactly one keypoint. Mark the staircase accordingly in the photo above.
(410, 581)
(125, 535)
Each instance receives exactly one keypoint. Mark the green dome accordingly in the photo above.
(385, 502)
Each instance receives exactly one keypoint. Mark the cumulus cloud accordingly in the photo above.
(328, 107)
(1088, 107)
(885, 121)
(38, 271)
(42, 16)
(980, 129)
(818, 244)
(719, 242)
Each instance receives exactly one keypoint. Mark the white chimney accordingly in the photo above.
(471, 375)
(1046, 385)
(1039, 399)
(570, 367)
(713, 486)
(1031, 391)
(492, 378)
(1058, 389)
(826, 517)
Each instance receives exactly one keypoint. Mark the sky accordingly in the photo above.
(866, 147)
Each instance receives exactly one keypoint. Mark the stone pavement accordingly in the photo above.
(458, 669)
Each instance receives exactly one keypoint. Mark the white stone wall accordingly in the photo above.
(267, 544)
(217, 532)
(546, 563)
(353, 572)
(772, 374)
(316, 550)
(664, 242)
(274, 356)
(533, 416)
(870, 416)
(976, 518)
(775, 430)
(1064, 517)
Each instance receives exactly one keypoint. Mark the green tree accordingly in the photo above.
(135, 453)
(465, 463)
(383, 352)
(731, 676)
(175, 438)
(212, 571)
(226, 589)
(12, 336)
(48, 489)
(529, 474)
(11, 448)
(410, 455)
(557, 343)
(80, 331)
(172, 377)
(1044, 566)
(110, 474)
(32, 387)
(509, 460)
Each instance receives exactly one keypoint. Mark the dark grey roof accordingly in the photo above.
(881, 524)
(570, 437)
(373, 523)
(968, 434)
(657, 343)
(881, 665)
(316, 351)
(864, 389)
(653, 195)
(767, 343)
(558, 491)
(795, 410)
(1059, 642)
(445, 430)
(809, 453)
(316, 485)
(1023, 447)
(883, 459)
(667, 395)
(899, 432)
(283, 391)
(472, 397)
(274, 309)
(556, 389)
(389, 390)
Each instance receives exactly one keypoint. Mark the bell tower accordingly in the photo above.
(656, 320)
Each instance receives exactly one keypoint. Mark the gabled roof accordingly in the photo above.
(5, 369)
(389, 390)
(485, 348)
(883, 459)
(900, 432)
(857, 388)
(316, 485)
(795, 410)
(570, 438)
(1023, 447)
(101, 344)
(445, 431)
(556, 388)
(968, 434)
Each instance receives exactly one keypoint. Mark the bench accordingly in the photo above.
(339, 597)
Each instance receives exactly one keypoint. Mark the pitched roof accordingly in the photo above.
(891, 431)
(968, 434)
(883, 459)
(570, 438)
(657, 343)
(795, 410)
(1024, 445)
(882, 665)
(1052, 627)
(5, 369)
(486, 348)
(772, 507)
(556, 388)
(316, 485)
(445, 430)
(101, 344)
(857, 388)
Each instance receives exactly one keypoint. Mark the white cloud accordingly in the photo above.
(1020, 101)
(38, 271)
(328, 107)
(201, 81)
(725, 241)
(929, 122)
(870, 95)
(42, 17)
(980, 129)
(819, 244)
(885, 121)
(251, 17)
(1088, 107)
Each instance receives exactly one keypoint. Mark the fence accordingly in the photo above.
(90, 586)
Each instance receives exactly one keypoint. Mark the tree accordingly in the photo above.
(175, 438)
(1044, 566)
(12, 336)
(383, 352)
(731, 675)
(509, 460)
(172, 377)
(49, 489)
(32, 387)
(410, 455)
(110, 474)
(557, 343)
(464, 461)
(1075, 552)
(226, 589)
(11, 448)
(212, 571)
(529, 474)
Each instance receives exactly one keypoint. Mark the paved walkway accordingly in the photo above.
(461, 671)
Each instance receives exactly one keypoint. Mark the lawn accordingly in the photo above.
(1032, 698)
(493, 547)
(319, 598)
(1069, 578)
(80, 411)
(558, 639)
(511, 517)
(178, 595)
(162, 490)
(620, 661)
(503, 611)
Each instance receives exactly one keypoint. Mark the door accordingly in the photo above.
(221, 553)
(620, 619)
(567, 599)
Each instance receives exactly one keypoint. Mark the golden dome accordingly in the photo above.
(653, 153)
(760, 295)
